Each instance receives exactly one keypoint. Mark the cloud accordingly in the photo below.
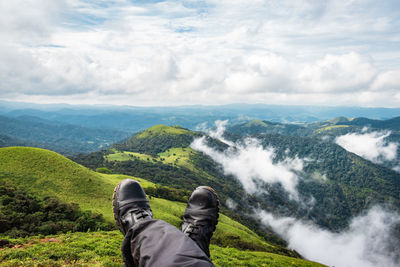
(369, 145)
(387, 81)
(397, 169)
(218, 132)
(251, 164)
(27, 22)
(337, 73)
(368, 242)
(207, 52)
(231, 204)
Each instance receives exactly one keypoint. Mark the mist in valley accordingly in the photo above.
(370, 238)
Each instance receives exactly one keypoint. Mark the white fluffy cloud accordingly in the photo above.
(369, 145)
(368, 242)
(200, 52)
(250, 163)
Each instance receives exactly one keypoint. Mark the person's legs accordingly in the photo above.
(150, 242)
(157, 243)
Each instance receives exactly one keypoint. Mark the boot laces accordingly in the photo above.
(140, 213)
(193, 229)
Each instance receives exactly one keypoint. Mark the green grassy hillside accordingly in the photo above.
(159, 130)
(157, 139)
(47, 173)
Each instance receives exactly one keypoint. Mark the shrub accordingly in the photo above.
(22, 214)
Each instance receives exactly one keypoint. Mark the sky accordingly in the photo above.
(166, 53)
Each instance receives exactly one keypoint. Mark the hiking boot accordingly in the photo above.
(201, 216)
(130, 205)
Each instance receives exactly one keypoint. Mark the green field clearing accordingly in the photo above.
(178, 156)
(328, 128)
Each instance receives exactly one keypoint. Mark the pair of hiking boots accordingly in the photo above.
(130, 206)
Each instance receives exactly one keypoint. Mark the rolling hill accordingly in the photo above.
(46, 173)
(334, 127)
(268, 127)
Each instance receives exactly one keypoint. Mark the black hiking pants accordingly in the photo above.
(155, 243)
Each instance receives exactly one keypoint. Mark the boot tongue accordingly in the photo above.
(201, 215)
(134, 215)
(141, 204)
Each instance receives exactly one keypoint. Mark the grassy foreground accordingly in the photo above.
(102, 249)
(46, 173)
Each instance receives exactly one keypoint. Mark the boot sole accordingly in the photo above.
(116, 208)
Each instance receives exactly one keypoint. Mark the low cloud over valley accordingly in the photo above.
(371, 145)
(370, 239)
(250, 163)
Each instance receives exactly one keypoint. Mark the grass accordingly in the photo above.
(78, 249)
(328, 128)
(256, 123)
(103, 249)
(46, 173)
(162, 130)
(179, 156)
(234, 257)
(126, 155)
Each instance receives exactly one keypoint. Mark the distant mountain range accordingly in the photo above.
(329, 129)
(332, 126)
(61, 137)
(134, 119)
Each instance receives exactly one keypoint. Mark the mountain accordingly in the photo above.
(133, 119)
(332, 127)
(45, 173)
(347, 184)
(64, 138)
(390, 124)
(267, 127)
(157, 139)
(6, 140)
